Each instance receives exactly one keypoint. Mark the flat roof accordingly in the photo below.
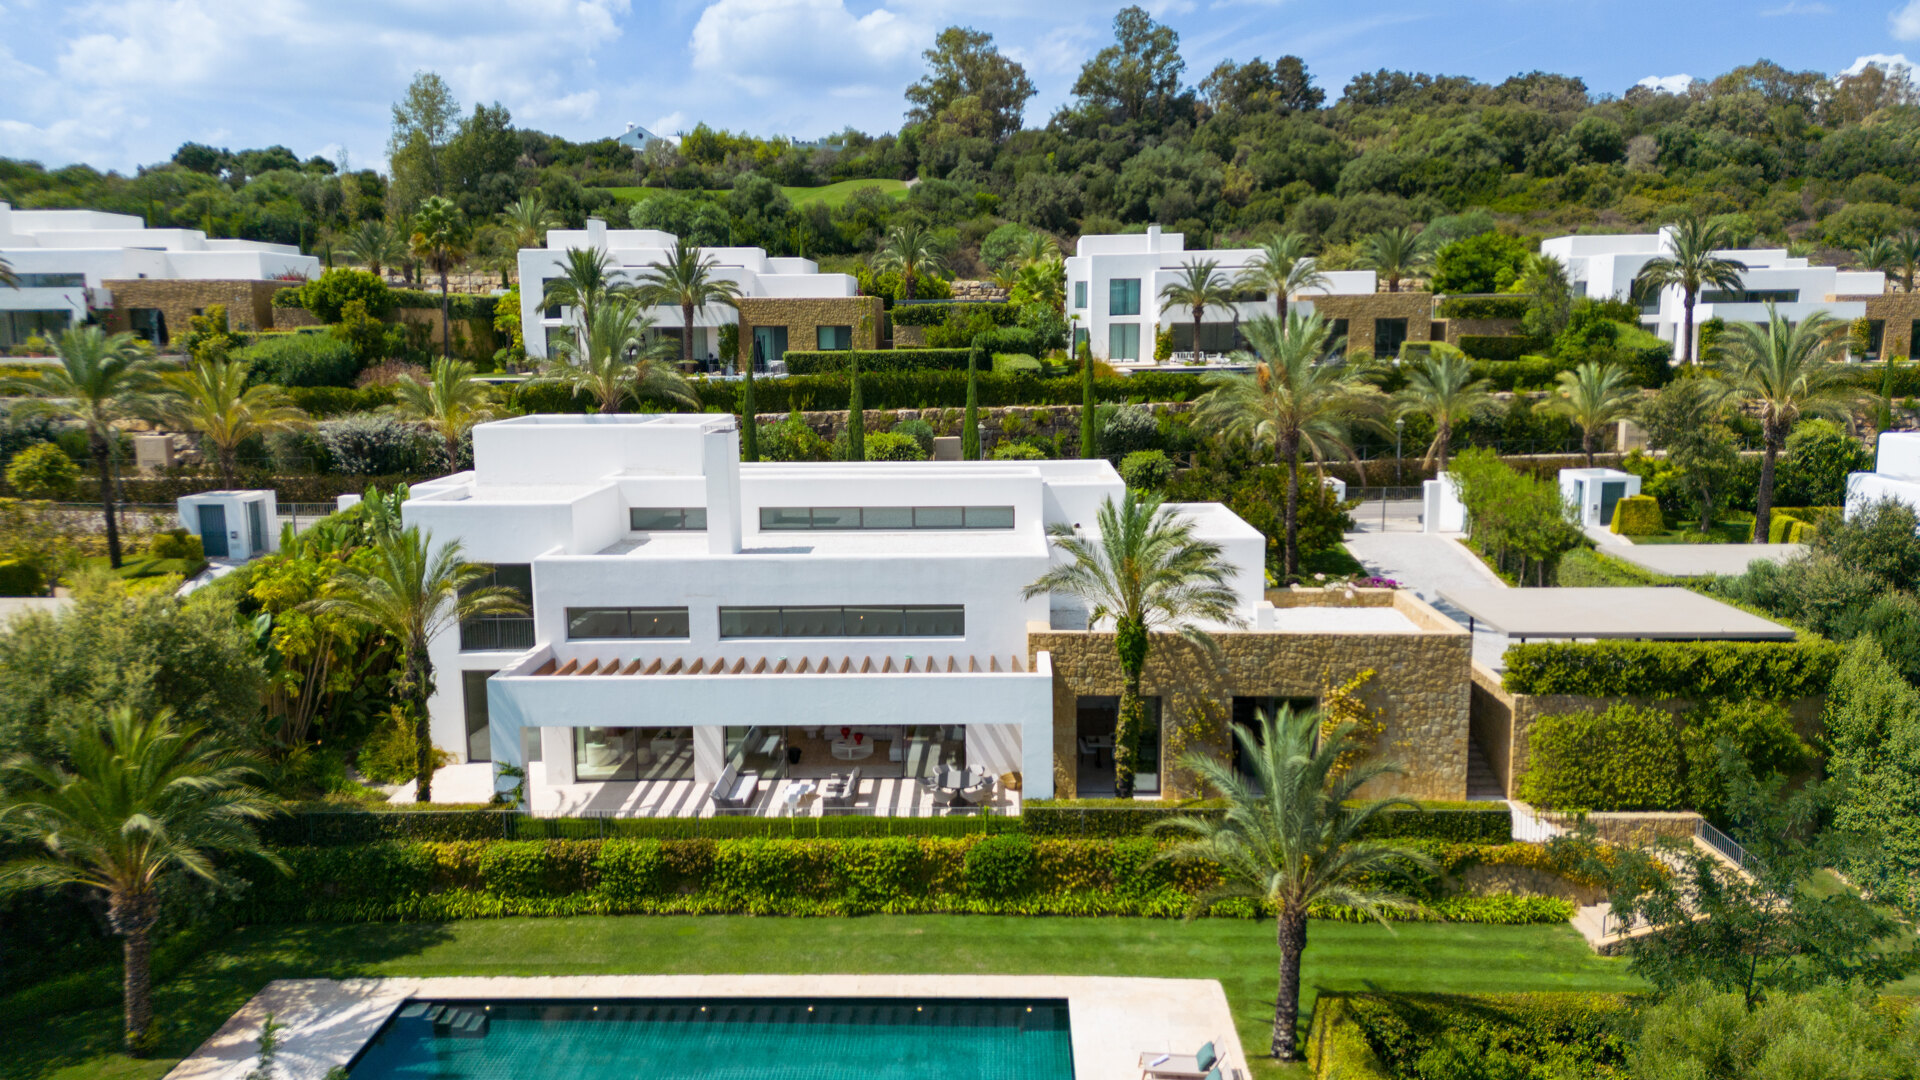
(1309, 619)
(1701, 560)
(1648, 612)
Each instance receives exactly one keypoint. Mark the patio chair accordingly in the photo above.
(841, 791)
(1204, 1065)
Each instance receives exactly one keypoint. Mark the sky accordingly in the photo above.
(119, 83)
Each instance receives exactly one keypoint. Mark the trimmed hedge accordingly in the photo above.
(459, 305)
(321, 402)
(1483, 307)
(300, 360)
(1638, 515)
(1491, 825)
(812, 362)
(1007, 874)
(1623, 759)
(1792, 525)
(1699, 670)
(905, 314)
(1526, 373)
(1377, 1036)
(1497, 348)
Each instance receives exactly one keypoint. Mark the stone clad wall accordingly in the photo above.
(1360, 311)
(1420, 684)
(804, 316)
(249, 302)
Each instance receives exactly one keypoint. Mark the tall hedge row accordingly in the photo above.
(1698, 670)
(872, 361)
(893, 390)
(1008, 874)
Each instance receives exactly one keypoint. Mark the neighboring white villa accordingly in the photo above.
(64, 258)
(1114, 284)
(1895, 475)
(1604, 267)
(757, 274)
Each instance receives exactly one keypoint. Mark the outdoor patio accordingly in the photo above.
(877, 797)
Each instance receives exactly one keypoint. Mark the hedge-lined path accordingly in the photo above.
(1412, 957)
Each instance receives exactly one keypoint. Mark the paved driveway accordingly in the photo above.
(1425, 563)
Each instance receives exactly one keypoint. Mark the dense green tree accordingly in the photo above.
(1485, 263)
(1136, 77)
(425, 121)
(965, 66)
(1146, 573)
(1688, 421)
(1257, 86)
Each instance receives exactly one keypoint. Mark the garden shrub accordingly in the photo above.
(300, 359)
(1819, 457)
(369, 444)
(920, 432)
(1482, 307)
(1520, 373)
(832, 361)
(936, 314)
(391, 754)
(1130, 428)
(1794, 524)
(1017, 451)
(177, 544)
(792, 440)
(1761, 732)
(1872, 723)
(43, 471)
(328, 295)
(1627, 758)
(1000, 867)
(1638, 515)
(19, 577)
(1146, 470)
(325, 401)
(1012, 363)
(1013, 341)
(1698, 670)
(893, 446)
(916, 389)
(1517, 1036)
(1494, 348)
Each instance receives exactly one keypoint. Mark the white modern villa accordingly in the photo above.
(1114, 285)
(700, 626)
(70, 261)
(758, 276)
(1605, 266)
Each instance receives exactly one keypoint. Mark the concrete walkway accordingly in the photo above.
(1425, 563)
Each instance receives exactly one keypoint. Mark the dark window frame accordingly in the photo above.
(771, 519)
(791, 625)
(501, 633)
(691, 518)
(627, 613)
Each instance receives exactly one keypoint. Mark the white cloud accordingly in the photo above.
(1890, 61)
(670, 126)
(807, 47)
(1669, 84)
(1905, 23)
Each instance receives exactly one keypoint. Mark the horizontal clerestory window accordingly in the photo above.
(592, 623)
(661, 518)
(843, 518)
(1750, 296)
(867, 620)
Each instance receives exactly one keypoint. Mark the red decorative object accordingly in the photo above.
(844, 732)
(857, 736)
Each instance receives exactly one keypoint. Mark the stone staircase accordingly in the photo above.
(1483, 784)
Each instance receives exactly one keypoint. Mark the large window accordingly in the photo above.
(662, 518)
(473, 694)
(847, 518)
(1123, 296)
(1079, 294)
(1123, 341)
(1221, 337)
(877, 620)
(632, 753)
(1388, 336)
(52, 281)
(611, 623)
(489, 633)
(1750, 296)
(835, 337)
(17, 326)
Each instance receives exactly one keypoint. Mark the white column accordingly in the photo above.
(709, 753)
(556, 753)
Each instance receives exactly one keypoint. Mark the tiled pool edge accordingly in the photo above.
(328, 1021)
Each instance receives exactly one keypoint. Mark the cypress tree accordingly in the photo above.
(856, 413)
(749, 429)
(970, 432)
(1087, 442)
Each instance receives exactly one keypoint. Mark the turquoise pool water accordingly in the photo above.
(723, 1039)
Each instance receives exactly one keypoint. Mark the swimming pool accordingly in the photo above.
(723, 1039)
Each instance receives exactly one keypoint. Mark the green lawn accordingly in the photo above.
(135, 567)
(1435, 957)
(1335, 562)
(832, 194)
(1734, 530)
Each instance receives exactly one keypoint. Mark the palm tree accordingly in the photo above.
(912, 249)
(1881, 253)
(100, 379)
(7, 277)
(1198, 286)
(1036, 247)
(686, 280)
(526, 221)
(1906, 248)
(411, 592)
(450, 402)
(130, 801)
(376, 244)
(1443, 388)
(1281, 267)
(212, 397)
(441, 238)
(1148, 574)
(1593, 395)
(1782, 373)
(1292, 401)
(588, 276)
(1397, 253)
(1293, 835)
(1692, 266)
(613, 359)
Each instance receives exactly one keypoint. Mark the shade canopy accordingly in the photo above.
(1653, 613)
(1701, 560)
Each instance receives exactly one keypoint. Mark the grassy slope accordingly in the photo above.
(832, 194)
(1240, 954)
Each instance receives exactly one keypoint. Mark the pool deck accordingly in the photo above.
(1112, 1020)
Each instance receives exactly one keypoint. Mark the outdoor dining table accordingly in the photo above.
(851, 749)
(956, 783)
(796, 791)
